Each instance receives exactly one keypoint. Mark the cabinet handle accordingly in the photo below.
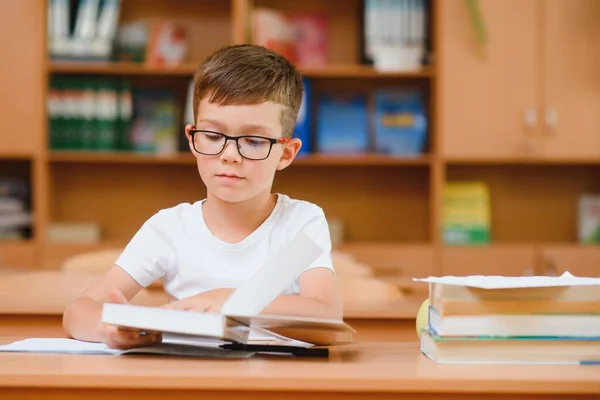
(551, 119)
(530, 118)
(550, 267)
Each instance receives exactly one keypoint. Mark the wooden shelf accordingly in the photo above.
(16, 254)
(118, 158)
(537, 160)
(119, 68)
(360, 160)
(362, 71)
(15, 156)
(188, 69)
(186, 158)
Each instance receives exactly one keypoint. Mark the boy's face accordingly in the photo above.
(228, 175)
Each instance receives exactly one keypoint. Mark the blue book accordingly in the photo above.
(342, 124)
(400, 122)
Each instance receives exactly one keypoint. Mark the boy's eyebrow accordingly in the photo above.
(249, 127)
(259, 128)
(218, 124)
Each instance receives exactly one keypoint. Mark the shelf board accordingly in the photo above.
(362, 71)
(520, 160)
(187, 158)
(188, 69)
(119, 68)
(359, 160)
(15, 156)
(118, 158)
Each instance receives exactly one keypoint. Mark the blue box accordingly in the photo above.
(342, 124)
(400, 122)
(302, 129)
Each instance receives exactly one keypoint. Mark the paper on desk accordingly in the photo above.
(58, 345)
(510, 282)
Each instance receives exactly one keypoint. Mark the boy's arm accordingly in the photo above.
(82, 318)
(319, 297)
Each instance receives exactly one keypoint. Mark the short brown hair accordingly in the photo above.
(250, 74)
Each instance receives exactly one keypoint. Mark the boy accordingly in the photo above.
(246, 101)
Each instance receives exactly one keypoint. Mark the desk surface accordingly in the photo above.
(369, 367)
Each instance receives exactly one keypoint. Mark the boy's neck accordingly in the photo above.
(233, 222)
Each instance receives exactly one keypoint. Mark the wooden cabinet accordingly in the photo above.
(571, 84)
(532, 91)
(22, 78)
(507, 260)
(486, 93)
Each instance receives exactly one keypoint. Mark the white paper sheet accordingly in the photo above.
(509, 282)
(272, 279)
(58, 345)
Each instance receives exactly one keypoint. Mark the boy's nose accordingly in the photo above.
(230, 152)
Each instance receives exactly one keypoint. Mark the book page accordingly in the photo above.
(510, 282)
(272, 279)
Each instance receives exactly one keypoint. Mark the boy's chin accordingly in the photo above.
(233, 196)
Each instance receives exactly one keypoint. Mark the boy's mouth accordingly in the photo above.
(229, 176)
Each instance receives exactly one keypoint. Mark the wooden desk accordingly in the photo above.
(31, 304)
(362, 371)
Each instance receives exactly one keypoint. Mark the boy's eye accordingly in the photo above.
(255, 141)
(212, 137)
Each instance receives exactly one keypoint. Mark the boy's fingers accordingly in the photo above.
(186, 305)
(125, 341)
(117, 297)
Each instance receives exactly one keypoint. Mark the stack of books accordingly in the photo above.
(513, 320)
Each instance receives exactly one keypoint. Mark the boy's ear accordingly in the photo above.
(290, 150)
(188, 128)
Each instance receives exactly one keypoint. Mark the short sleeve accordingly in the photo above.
(148, 255)
(317, 228)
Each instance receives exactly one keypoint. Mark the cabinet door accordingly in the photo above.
(577, 260)
(505, 260)
(572, 78)
(485, 94)
(22, 25)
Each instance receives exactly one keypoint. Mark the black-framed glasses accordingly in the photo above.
(251, 147)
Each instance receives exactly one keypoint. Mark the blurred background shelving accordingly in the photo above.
(514, 114)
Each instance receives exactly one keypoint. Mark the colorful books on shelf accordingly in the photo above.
(109, 115)
(589, 219)
(300, 37)
(513, 320)
(466, 213)
(82, 30)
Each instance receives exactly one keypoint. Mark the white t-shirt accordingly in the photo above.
(175, 245)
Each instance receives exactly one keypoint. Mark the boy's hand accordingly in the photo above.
(209, 301)
(120, 338)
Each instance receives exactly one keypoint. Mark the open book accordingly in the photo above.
(172, 345)
(241, 311)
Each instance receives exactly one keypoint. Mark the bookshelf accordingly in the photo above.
(478, 104)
